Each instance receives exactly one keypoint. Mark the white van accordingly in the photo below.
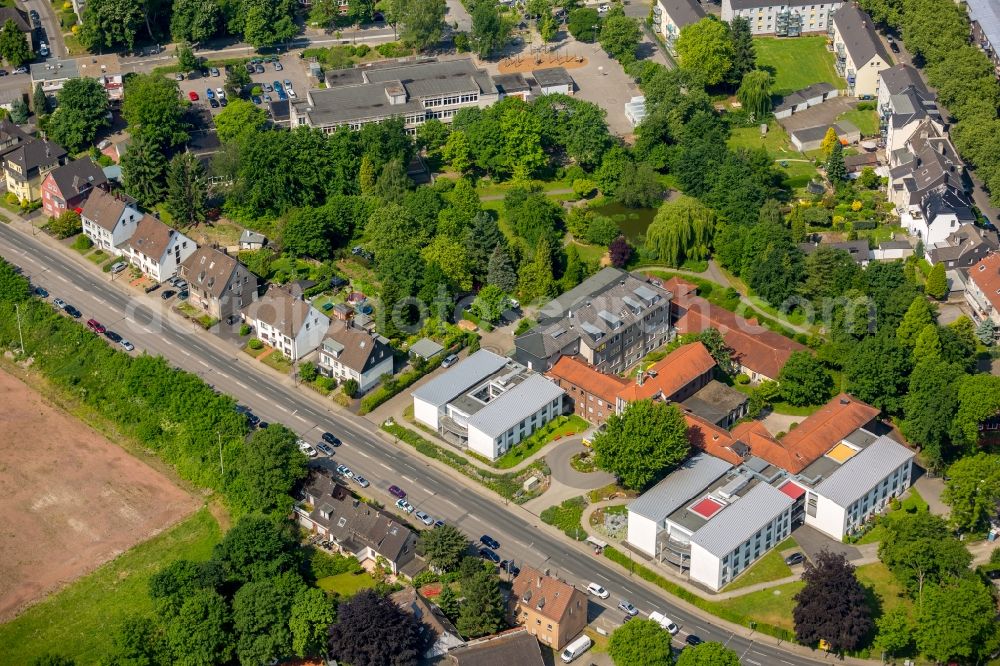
(664, 622)
(576, 648)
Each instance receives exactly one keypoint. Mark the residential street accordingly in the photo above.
(437, 490)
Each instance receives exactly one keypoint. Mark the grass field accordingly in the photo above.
(770, 567)
(564, 426)
(798, 170)
(887, 590)
(78, 621)
(346, 584)
(773, 605)
(797, 62)
(866, 120)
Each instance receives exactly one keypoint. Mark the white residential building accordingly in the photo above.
(487, 403)
(940, 213)
(109, 219)
(287, 323)
(784, 18)
(348, 352)
(156, 249)
(861, 487)
(860, 53)
(669, 16)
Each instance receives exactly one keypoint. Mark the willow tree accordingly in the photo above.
(681, 230)
(755, 93)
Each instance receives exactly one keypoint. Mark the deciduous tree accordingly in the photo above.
(619, 252)
(82, 112)
(267, 22)
(194, 20)
(111, 23)
(978, 400)
(267, 471)
(706, 51)
(153, 109)
(422, 22)
(619, 36)
(894, 632)
(482, 609)
(877, 371)
(708, 654)
(310, 620)
(584, 23)
(804, 380)
(371, 631)
(755, 93)
(261, 611)
(489, 30)
(957, 621)
(973, 491)
(199, 633)
(643, 443)
(258, 547)
(13, 46)
(920, 550)
(833, 605)
(641, 643)
(929, 407)
(681, 230)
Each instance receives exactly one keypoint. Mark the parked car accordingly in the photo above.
(488, 554)
(41, 293)
(693, 641)
(256, 99)
(325, 448)
(167, 294)
(424, 518)
(193, 96)
(3, 72)
(119, 266)
(438, 523)
(20, 70)
(253, 419)
(598, 591)
(277, 66)
(403, 505)
(664, 622)
(126, 345)
(489, 542)
(220, 93)
(258, 68)
(330, 439)
(59, 303)
(361, 481)
(894, 46)
(795, 558)
(214, 103)
(114, 337)
(629, 609)
(43, 50)
(178, 77)
(209, 93)
(267, 99)
(36, 20)
(183, 294)
(344, 470)
(223, 102)
(396, 491)
(449, 361)
(282, 96)
(267, 87)
(305, 448)
(72, 312)
(510, 567)
(214, 71)
(96, 326)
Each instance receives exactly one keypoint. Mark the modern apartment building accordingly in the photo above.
(783, 18)
(859, 50)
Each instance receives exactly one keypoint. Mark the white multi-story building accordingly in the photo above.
(156, 249)
(109, 219)
(860, 53)
(487, 403)
(287, 323)
(862, 486)
(784, 18)
(348, 352)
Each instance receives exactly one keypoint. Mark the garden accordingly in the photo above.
(797, 63)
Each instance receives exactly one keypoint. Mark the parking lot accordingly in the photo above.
(292, 68)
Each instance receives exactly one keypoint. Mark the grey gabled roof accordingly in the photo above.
(899, 77)
(594, 284)
(987, 14)
(857, 30)
(868, 467)
(510, 408)
(690, 478)
(463, 376)
(742, 519)
(683, 12)
(799, 96)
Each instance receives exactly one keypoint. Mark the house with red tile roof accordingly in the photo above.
(675, 377)
(983, 289)
(594, 394)
(551, 609)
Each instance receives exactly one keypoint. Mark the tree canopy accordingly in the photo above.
(371, 630)
(973, 490)
(81, 113)
(643, 443)
(706, 50)
(833, 605)
(641, 642)
(708, 654)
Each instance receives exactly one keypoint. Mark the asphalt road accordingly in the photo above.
(141, 319)
(50, 25)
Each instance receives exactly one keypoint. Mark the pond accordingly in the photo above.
(632, 221)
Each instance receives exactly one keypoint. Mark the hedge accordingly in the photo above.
(394, 386)
(711, 607)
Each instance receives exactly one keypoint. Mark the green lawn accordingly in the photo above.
(590, 252)
(797, 62)
(78, 621)
(866, 121)
(770, 567)
(253, 352)
(566, 517)
(798, 170)
(888, 592)
(564, 426)
(772, 606)
(913, 503)
(346, 584)
(278, 361)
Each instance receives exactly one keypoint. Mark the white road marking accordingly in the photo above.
(242, 385)
(204, 364)
(362, 453)
(627, 590)
(406, 478)
(449, 502)
(387, 467)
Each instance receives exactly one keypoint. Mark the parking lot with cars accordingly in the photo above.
(288, 69)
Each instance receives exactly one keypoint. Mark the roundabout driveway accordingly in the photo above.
(558, 461)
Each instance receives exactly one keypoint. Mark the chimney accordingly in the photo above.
(640, 377)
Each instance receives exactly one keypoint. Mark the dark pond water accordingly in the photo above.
(632, 221)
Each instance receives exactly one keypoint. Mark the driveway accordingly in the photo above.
(558, 461)
(812, 542)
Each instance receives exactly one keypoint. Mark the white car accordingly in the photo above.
(128, 346)
(307, 449)
(424, 518)
(403, 505)
(598, 591)
(220, 92)
(664, 622)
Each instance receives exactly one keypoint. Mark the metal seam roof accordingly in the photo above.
(463, 376)
(507, 410)
(864, 471)
(742, 519)
(690, 478)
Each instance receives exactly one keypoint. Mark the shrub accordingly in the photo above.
(462, 44)
(522, 326)
(12, 199)
(322, 565)
(255, 344)
(584, 187)
(308, 371)
(362, 50)
(742, 379)
(351, 388)
(245, 329)
(392, 50)
(83, 243)
(66, 225)
(326, 383)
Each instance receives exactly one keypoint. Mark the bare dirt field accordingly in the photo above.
(70, 500)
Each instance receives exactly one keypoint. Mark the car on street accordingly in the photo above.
(72, 312)
(361, 481)
(3, 72)
(893, 45)
(693, 641)
(96, 326)
(628, 608)
(119, 266)
(43, 50)
(263, 425)
(403, 505)
(438, 523)
(489, 542)
(344, 470)
(20, 70)
(510, 567)
(209, 93)
(114, 337)
(36, 20)
(325, 448)
(305, 448)
(253, 419)
(598, 591)
(424, 518)
(214, 71)
(396, 491)
(167, 294)
(330, 439)
(665, 622)
(449, 361)
(795, 558)
(59, 303)
(214, 103)
(488, 554)
(193, 96)
(41, 293)
(126, 345)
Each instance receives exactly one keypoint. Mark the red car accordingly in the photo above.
(193, 96)
(95, 326)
